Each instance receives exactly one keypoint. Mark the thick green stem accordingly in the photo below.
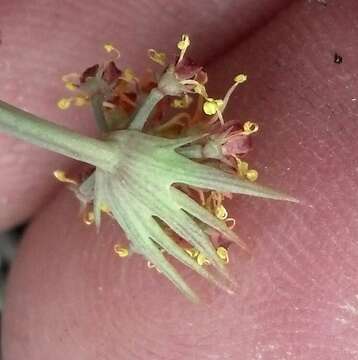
(144, 111)
(31, 128)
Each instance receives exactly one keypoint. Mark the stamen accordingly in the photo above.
(60, 175)
(250, 127)
(241, 78)
(120, 251)
(105, 208)
(252, 175)
(202, 260)
(64, 103)
(182, 45)
(88, 218)
(110, 48)
(221, 212)
(158, 57)
(244, 171)
(223, 254)
(212, 106)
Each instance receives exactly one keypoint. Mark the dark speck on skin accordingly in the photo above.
(338, 59)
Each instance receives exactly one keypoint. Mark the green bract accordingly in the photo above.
(141, 190)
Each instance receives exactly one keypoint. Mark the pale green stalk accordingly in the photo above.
(144, 111)
(50, 136)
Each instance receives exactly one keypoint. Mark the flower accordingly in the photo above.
(162, 172)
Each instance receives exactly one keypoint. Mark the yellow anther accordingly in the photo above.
(250, 127)
(109, 47)
(252, 175)
(88, 218)
(182, 103)
(120, 251)
(60, 175)
(244, 171)
(182, 45)
(80, 100)
(202, 260)
(212, 106)
(242, 167)
(105, 208)
(158, 57)
(192, 252)
(240, 78)
(223, 254)
(64, 103)
(221, 212)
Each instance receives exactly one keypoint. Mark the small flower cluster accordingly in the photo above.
(180, 159)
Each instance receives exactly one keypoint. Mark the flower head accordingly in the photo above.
(166, 168)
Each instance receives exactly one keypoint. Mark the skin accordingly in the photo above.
(70, 297)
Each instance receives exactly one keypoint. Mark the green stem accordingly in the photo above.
(144, 111)
(96, 102)
(31, 128)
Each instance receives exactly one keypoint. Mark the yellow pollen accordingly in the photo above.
(60, 175)
(252, 175)
(221, 212)
(240, 78)
(158, 57)
(223, 254)
(202, 260)
(250, 127)
(182, 45)
(88, 218)
(212, 106)
(64, 103)
(120, 251)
